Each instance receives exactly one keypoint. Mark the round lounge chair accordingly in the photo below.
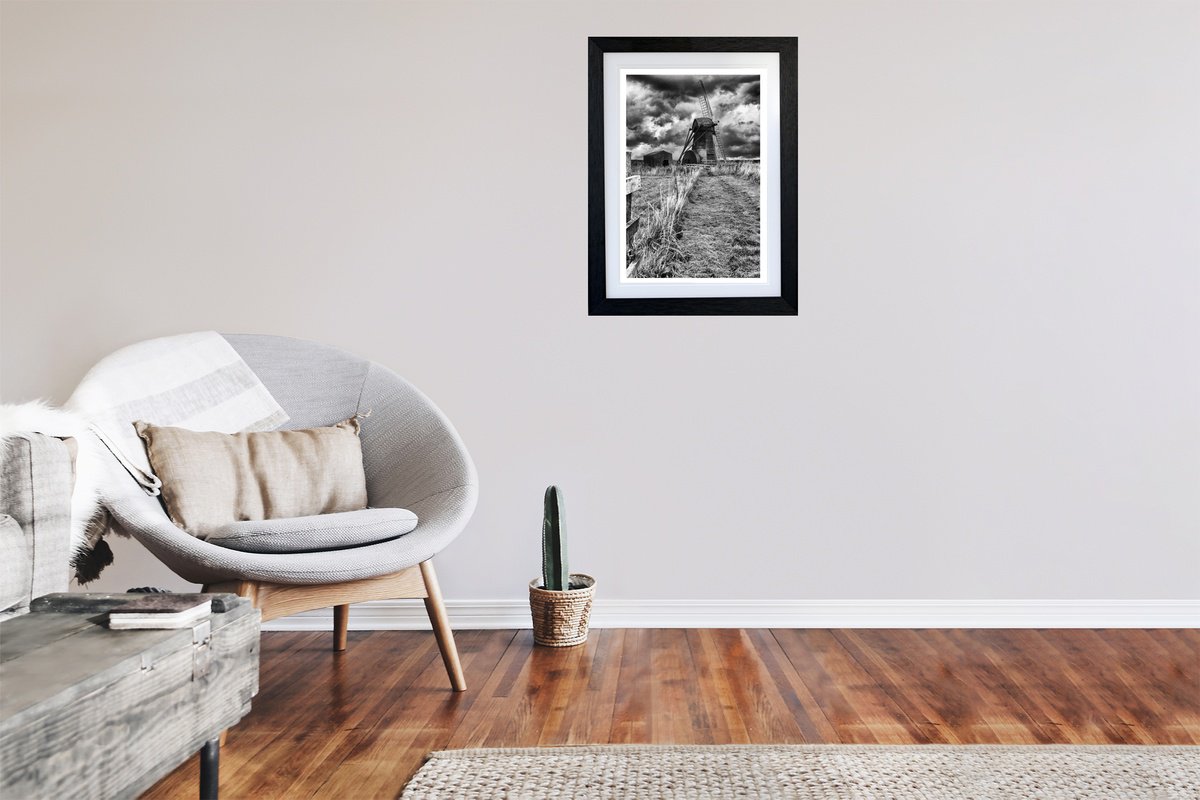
(413, 459)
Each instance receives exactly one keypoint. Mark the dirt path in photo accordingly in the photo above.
(720, 230)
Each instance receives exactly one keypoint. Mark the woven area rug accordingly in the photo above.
(819, 772)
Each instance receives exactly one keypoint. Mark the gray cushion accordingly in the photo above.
(315, 533)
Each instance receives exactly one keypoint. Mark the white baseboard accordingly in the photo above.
(402, 615)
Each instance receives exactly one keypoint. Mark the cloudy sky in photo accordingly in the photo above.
(659, 111)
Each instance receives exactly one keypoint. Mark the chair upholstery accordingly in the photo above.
(412, 456)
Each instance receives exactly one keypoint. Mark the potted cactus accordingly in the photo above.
(559, 601)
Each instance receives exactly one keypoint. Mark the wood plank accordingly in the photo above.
(1059, 703)
(591, 719)
(419, 718)
(675, 679)
(631, 720)
(746, 698)
(572, 678)
(17, 640)
(1156, 674)
(853, 702)
(64, 668)
(803, 706)
(146, 694)
(280, 665)
(995, 704)
(534, 691)
(329, 727)
(359, 723)
(932, 695)
(491, 701)
(1126, 714)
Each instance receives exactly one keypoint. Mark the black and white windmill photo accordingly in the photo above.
(693, 176)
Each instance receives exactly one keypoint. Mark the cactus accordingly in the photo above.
(555, 575)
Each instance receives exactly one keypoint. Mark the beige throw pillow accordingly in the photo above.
(212, 479)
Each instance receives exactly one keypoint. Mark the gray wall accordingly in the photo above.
(991, 390)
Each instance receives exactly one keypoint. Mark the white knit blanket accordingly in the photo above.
(194, 380)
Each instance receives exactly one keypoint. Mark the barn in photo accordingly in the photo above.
(657, 158)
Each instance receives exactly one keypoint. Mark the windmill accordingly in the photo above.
(702, 145)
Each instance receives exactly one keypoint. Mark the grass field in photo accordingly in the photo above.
(697, 222)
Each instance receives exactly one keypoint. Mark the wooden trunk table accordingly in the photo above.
(88, 712)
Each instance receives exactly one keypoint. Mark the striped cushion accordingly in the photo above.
(194, 380)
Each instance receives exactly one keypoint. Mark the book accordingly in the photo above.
(160, 611)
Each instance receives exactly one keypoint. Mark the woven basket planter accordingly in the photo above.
(560, 619)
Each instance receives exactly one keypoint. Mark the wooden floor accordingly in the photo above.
(358, 723)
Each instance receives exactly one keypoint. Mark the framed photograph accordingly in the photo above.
(692, 175)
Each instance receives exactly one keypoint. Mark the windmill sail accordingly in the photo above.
(709, 113)
(704, 96)
(702, 145)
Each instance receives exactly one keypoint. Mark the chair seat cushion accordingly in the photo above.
(319, 532)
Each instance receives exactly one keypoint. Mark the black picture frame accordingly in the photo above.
(599, 304)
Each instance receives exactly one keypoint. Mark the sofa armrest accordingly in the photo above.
(36, 479)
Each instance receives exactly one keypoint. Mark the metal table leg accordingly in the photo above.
(210, 768)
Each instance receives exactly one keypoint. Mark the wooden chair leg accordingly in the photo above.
(341, 619)
(441, 627)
